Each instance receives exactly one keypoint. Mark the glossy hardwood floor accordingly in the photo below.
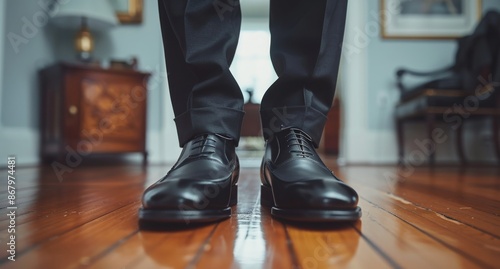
(426, 218)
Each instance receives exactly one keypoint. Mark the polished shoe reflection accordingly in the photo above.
(441, 218)
(251, 239)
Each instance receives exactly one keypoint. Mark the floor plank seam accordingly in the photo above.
(201, 249)
(112, 247)
(469, 198)
(446, 217)
(37, 217)
(30, 201)
(23, 252)
(291, 249)
(442, 215)
(458, 251)
(378, 250)
(252, 218)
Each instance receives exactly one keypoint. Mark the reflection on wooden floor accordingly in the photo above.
(441, 218)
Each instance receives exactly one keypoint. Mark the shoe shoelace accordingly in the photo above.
(299, 143)
(202, 146)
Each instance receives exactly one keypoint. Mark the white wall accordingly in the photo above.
(19, 106)
(19, 87)
(2, 33)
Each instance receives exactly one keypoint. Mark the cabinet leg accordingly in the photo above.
(496, 137)
(45, 159)
(460, 145)
(431, 122)
(400, 138)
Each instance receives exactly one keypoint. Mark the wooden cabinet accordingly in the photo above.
(90, 110)
(251, 121)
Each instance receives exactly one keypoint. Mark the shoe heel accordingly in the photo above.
(266, 196)
(233, 200)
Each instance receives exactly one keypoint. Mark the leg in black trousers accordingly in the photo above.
(200, 42)
(199, 48)
(306, 39)
(200, 38)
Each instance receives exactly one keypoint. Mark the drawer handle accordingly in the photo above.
(73, 110)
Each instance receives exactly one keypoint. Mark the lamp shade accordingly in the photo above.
(99, 14)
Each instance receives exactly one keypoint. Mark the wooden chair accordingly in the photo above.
(467, 89)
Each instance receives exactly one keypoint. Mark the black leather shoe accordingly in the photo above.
(201, 186)
(298, 186)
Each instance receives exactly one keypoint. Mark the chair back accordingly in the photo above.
(478, 58)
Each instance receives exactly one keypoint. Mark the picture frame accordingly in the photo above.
(128, 11)
(425, 19)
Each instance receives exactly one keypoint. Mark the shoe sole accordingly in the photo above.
(339, 215)
(189, 216)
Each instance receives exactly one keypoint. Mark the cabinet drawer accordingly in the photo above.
(113, 111)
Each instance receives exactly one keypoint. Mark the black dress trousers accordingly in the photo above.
(200, 39)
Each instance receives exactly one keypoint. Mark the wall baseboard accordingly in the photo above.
(24, 144)
(380, 147)
(20, 142)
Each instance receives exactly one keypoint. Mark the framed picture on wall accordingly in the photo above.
(428, 19)
(128, 11)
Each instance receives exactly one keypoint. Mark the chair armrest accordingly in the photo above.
(401, 72)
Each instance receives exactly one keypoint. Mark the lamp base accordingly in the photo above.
(84, 43)
(84, 56)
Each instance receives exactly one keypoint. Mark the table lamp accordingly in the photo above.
(85, 15)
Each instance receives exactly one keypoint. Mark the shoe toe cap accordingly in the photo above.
(335, 195)
(186, 195)
(316, 195)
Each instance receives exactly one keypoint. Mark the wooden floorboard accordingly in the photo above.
(342, 247)
(428, 218)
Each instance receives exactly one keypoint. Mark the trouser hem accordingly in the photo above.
(305, 118)
(214, 120)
